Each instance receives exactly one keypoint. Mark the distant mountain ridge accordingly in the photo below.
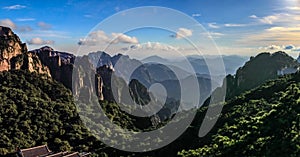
(60, 66)
(199, 63)
(259, 119)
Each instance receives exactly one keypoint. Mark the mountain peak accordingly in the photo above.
(47, 48)
(5, 31)
(11, 49)
(257, 70)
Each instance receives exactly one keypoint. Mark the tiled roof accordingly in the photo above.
(43, 151)
(35, 151)
(75, 154)
(60, 154)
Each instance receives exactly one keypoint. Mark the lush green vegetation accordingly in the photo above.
(264, 121)
(36, 110)
(261, 122)
(256, 71)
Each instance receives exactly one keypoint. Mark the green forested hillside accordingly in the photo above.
(256, 71)
(36, 110)
(261, 122)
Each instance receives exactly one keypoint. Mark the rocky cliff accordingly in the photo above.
(14, 54)
(59, 63)
(10, 48)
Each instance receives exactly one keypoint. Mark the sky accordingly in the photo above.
(186, 27)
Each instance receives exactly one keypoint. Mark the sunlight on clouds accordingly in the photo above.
(183, 32)
(39, 41)
(151, 46)
(100, 37)
(275, 35)
(284, 29)
(270, 19)
(120, 37)
(284, 18)
(291, 49)
(294, 8)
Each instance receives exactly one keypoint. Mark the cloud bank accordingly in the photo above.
(100, 37)
(39, 41)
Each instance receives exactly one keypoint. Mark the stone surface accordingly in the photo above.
(14, 54)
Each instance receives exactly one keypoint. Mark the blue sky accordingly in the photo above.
(236, 26)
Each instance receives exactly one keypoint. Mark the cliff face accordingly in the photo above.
(60, 64)
(14, 54)
(10, 48)
(103, 83)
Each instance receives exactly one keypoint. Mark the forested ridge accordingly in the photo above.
(264, 121)
(35, 110)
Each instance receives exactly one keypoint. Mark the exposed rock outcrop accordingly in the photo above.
(59, 63)
(14, 54)
(11, 48)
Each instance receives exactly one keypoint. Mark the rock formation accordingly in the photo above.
(14, 54)
(10, 48)
(59, 63)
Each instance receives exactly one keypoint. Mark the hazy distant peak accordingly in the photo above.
(155, 59)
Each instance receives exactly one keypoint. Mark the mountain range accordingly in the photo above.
(39, 89)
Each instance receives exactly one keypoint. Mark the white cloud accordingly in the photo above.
(100, 37)
(94, 38)
(215, 35)
(182, 33)
(151, 46)
(8, 23)
(196, 15)
(253, 16)
(44, 26)
(280, 18)
(39, 41)
(14, 7)
(293, 8)
(122, 38)
(283, 29)
(213, 25)
(283, 35)
(234, 25)
(289, 47)
(269, 19)
(271, 47)
(25, 19)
